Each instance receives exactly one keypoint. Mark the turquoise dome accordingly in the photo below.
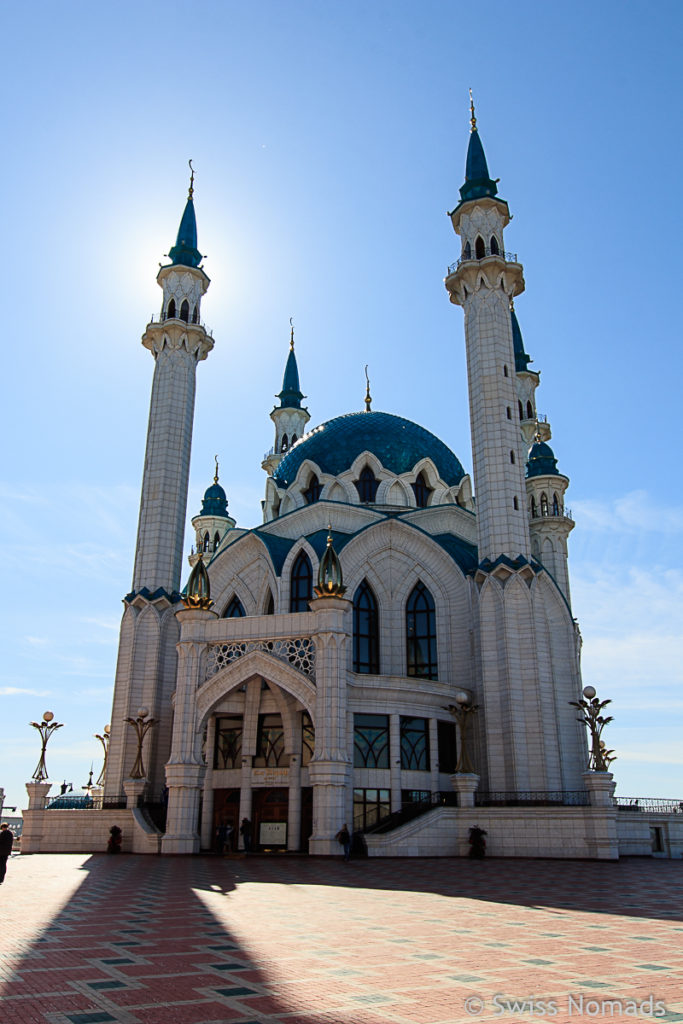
(215, 502)
(399, 445)
(541, 461)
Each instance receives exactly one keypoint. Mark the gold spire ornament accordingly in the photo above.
(368, 399)
(291, 334)
(190, 193)
(473, 120)
(215, 479)
(330, 579)
(198, 591)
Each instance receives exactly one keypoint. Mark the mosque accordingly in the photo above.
(393, 647)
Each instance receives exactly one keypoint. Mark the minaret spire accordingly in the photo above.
(368, 399)
(290, 417)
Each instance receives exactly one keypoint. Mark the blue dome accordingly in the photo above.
(541, 461)
(399, 444)
(215, 502)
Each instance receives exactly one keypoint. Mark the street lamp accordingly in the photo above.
(142, 724)
(591, 708)
(461, 711)
(104, 740)
(45, 728)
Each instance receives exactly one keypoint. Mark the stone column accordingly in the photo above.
(465, 785)
(294, 811)
(434, 784)
(246, 799)
(207, 802)
(600, 786)
(185, 770)
(330, 769)
(134, 790)
(395, 761)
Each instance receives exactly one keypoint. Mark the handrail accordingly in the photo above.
(509, 257)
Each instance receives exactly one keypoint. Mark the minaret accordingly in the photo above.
(147, 659)
(290, 417)
(178, 341)
(213, 522)
(550, 522)
(483, 281)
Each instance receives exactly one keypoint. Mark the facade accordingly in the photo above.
(308, 674)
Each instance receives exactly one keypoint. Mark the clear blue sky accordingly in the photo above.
(329, 141)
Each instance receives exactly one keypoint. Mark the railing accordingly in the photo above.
(552, 798)
(509, 257)
(658, 805)
(190, 322)
(410, 811)
(549, 513)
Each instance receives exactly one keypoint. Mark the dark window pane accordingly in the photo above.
(235, 609)
(301, 584)
(421, 634)
(448, 754)
(365, 630)
(415, 744)
(228, 742)
(371, 741)
(270, 742)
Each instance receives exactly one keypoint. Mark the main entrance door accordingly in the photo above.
(226, 811)
(269, 809)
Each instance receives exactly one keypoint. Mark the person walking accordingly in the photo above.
(6, 840)
(343, 837)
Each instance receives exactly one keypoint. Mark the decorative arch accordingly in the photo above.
(365, 630)
(479, 248)
(170, 310)
(300, 583)
(234, 609)
(421, 656)
(185, 311)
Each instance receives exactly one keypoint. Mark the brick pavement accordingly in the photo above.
(147, 940)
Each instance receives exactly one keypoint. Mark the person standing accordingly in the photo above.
(343, 837)
(6, 840)
(245, 830)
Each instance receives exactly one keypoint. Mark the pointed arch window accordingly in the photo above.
(294, 439)
(301, 585)
(270, 604)
(544, 504)
(365, 630)
(235, 609)
(556, 505)
(195, 316)
(467, 253)
(313, 491)
(285, 443)
(185, 311)
(421, 633)
(494, 246)
(216, 540)
(207, 542)
(479, 248)
(529, 411)
(170, 312)
(366, 485)
(532, 507)
(421, 491)
(521, 408)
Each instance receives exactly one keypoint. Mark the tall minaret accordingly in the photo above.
(178, 341)
(147, 659)
(290, 417)
(484, 281)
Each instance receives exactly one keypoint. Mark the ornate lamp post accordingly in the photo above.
(462, 711)
(45, 728)
(104, 740)
(142, 724)
(591, 708)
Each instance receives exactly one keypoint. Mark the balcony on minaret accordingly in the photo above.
(470, 256)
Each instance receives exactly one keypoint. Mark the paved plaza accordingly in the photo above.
(148, 940)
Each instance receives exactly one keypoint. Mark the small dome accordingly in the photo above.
(399, 445)
(215, 502)
(541, 461)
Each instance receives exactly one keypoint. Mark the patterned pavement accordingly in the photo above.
(146, 940)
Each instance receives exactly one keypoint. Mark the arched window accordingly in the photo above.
(285, 443)
(195, 316)
(505, 370)
(216, 540)
(512, 457)
(366, 485)
(515, 503)
(534, 513)
(294, 439)
(467, 253)
(185, 311)
(494, 246)
(521, 408)
(544, 504)
(529, 411)
(270, 604)
(365, 630)
(312, 493)
(422, 491)
(509, 412)
(235, 609)
(556, 505)
(300, 589)
(479, 248)
(421, 633)
(207, 542)
(170, 312)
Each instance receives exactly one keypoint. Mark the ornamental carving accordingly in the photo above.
(299, 652)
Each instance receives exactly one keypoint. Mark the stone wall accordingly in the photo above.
(86, 831)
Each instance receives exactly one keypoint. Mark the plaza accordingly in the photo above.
(294, 940)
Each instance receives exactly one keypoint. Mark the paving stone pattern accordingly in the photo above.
(200, 940)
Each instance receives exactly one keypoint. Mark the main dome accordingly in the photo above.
(399, 444)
